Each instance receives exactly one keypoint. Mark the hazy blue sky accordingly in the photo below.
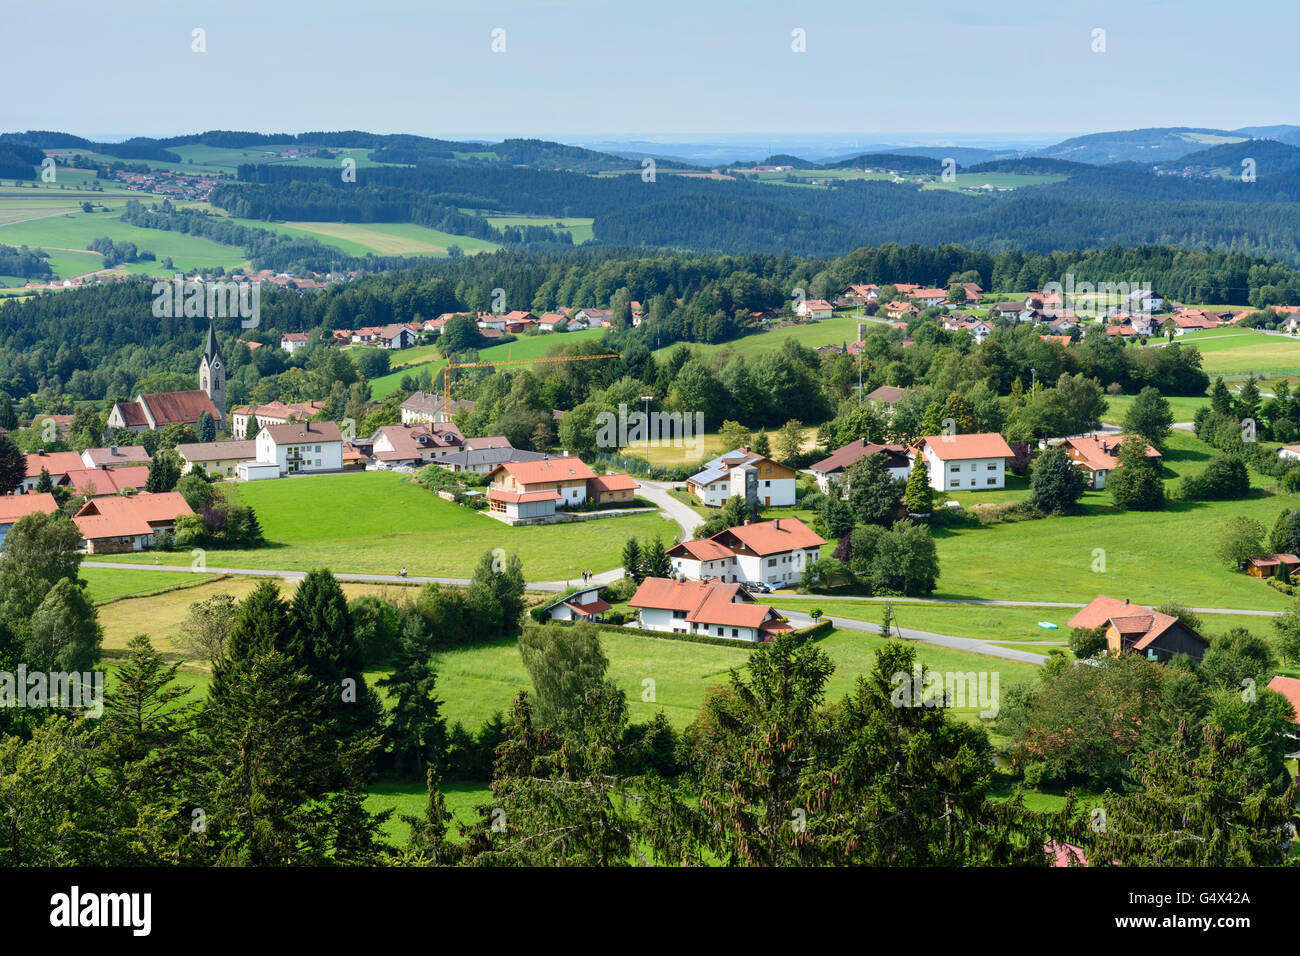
(672, 69)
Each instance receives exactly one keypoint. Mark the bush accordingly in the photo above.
(1225, 478)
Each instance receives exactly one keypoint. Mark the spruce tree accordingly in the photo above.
(632, 560)
(918, 497)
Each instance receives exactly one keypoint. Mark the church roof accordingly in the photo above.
(210, 351)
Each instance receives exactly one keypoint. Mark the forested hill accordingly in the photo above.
(103, 340)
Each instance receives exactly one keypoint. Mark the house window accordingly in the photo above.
(679, 615)
(771, 562)
(955, 468)
(972, 467)
(993, 466)
(735, 632)
(993, 481)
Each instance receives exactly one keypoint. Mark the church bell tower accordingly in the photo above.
(212, 373)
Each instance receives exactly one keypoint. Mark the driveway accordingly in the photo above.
(686, 517)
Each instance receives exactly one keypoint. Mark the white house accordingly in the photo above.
(768, 552)
(295, 448)
(14, 507)
(706, 608)
(583, 605)
(813, 309)
(976, 462)
(1289, 451)
(293, 341)
(733, 473)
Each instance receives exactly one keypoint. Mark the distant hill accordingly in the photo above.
(1029, 166)
(1270, 156)
(1142, 145)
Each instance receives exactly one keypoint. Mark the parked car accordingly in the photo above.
(757, 587)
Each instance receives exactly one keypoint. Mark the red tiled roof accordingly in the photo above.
(515, 497)
(705, 602)
(613, 483)
(965, 447)
(184, 408)
(117, 455)
(55, 462)
(1101, 453)
(1289, 688)
(595, 607)
(773, 537)
(1128, 619)
(703, 549)
(547, 470)
(13, 507)
(118, 517)
(1273, 560)
(106, 481)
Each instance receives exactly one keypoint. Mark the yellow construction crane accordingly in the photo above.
(446, 369)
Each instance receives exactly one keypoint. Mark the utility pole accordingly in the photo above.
(646, 399)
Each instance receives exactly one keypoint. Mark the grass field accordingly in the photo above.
(409, 799)
(66, 237)
(378, 522)
(525, 347)
(160, 615)
(108, 584)
(1232, 351)
(579, 227)
(1183, 407)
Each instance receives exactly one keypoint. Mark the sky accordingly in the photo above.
(939, 71)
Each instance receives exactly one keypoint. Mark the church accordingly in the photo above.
(155, 411)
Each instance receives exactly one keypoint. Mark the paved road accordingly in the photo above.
(990, 603)
(927, 637)
(687, 517)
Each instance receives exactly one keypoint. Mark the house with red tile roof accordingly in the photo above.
(1132, 627)
(246, 420)
(612, 489)
(813, 309)
(976, 461)
(1266, 565)
(56, 463)
(293, 341)
(218, 459)
(929, 297)
(830, 470)
(112, 525)
(1289, 688)
(295, 448)
(1098, 455)
(532, 490)
(585, 604)
(768, 552)
(94, 482)
(861, 294)
(14, 507)
(706, 608)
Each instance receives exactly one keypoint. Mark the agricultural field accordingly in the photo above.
(1183, 406)
(578, 226)
(159, 615)
(1236, 352)
(66, 237)
(379, 522)
(525, 347)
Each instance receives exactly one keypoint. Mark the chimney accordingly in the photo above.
(746, 522)
(112, 449)
(1126, 602)
(776, 523)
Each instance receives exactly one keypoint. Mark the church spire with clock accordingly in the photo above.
(212, 372)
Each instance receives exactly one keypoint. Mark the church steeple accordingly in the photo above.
(212, 372)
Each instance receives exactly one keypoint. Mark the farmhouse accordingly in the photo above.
(707, 608)
(1289, 451)
(94, 482)
(583, 605)
(745, 473)
(830, 470)
(1131, 627)
(861, 294)
(115, 456)
(929, 297)
(13, 507)
(294, 448)
(219, 459)
(56, 464)
(246, 420)
(128, 523)
(976, 461)
(901, 310)
(765, 552)
(1098, 455)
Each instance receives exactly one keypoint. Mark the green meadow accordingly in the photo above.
(379, 522)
